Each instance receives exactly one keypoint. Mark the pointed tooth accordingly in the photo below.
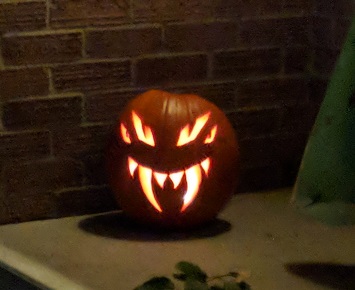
(160, 178)
(193, 180)
(205, 164)
(145, 178)
(132, 165)
(176, 178)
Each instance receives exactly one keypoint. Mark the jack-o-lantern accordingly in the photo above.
(173, 159)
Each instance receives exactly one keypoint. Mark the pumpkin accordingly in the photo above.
(173, 159)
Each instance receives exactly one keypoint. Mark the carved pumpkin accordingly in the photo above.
(173, 159)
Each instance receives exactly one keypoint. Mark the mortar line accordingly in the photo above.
(2, 64)
(83, 44)
(51, 87)
(48, 13)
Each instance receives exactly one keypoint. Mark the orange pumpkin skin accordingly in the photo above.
(189, 203)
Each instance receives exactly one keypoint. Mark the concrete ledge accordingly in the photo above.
(257, 233)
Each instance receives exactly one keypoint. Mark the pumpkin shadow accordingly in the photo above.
(337, 276)
(118, 226)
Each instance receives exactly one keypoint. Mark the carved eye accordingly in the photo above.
(125, 135)
(144, 133)
(210, 137)
(186, 136)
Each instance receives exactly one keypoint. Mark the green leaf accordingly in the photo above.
(244, 286)
(193, 284)
(233, 274)
(231, 285)
(180, 276)
(192, 271)
(215, 287)
(157, 283)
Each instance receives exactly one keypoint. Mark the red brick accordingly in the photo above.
(317, 89)
(300, 7)
(77, 142)
(5, 215)
(21, 16)
(261, 8)
(28, 186)
(335, 8)
(297, 31)
(23, 82)
(325, 60)
(244, 63)
(43, 112)
(84, 200)
(43, 175)
(260, 178)
(123, 42)
(170, 10)
(38, 48)
(258, 152)
(298, 119)
(266, 92)
(255, 122)
(341, 30)
(262, 32)
(322, 31)
(160, 10)
(28, 207)
(79, 13)
(92, 76)
(105, 106)
(95, 169)
(195, 37)
(228, 9)
(223, 94)
(198, 9)
(297, 59)
(283, 148)
(290, 146)
(166, 70)
(275, 32)
(19, 145)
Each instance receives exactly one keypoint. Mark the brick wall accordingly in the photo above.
(68, 66)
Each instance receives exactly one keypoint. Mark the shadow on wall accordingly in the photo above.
(337, 276)
(118, 226)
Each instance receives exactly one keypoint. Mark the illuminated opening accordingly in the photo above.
(144, 134)
(132, 165)
(211, 136)
(145, 177)
(186, 136)
(176, 178)
(205, 164)
(160, 178)
(193, 177)
(125, 135)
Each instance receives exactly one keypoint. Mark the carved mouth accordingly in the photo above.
(192, 175)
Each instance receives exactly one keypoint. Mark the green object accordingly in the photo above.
(194, 278)
(325, 186)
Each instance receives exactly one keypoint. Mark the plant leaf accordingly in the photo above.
(234, 274)
(180, 276)
(215, 287)
(157, 283)
(231, 285)
(244, 286)
(192, 271)
(193, 284)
